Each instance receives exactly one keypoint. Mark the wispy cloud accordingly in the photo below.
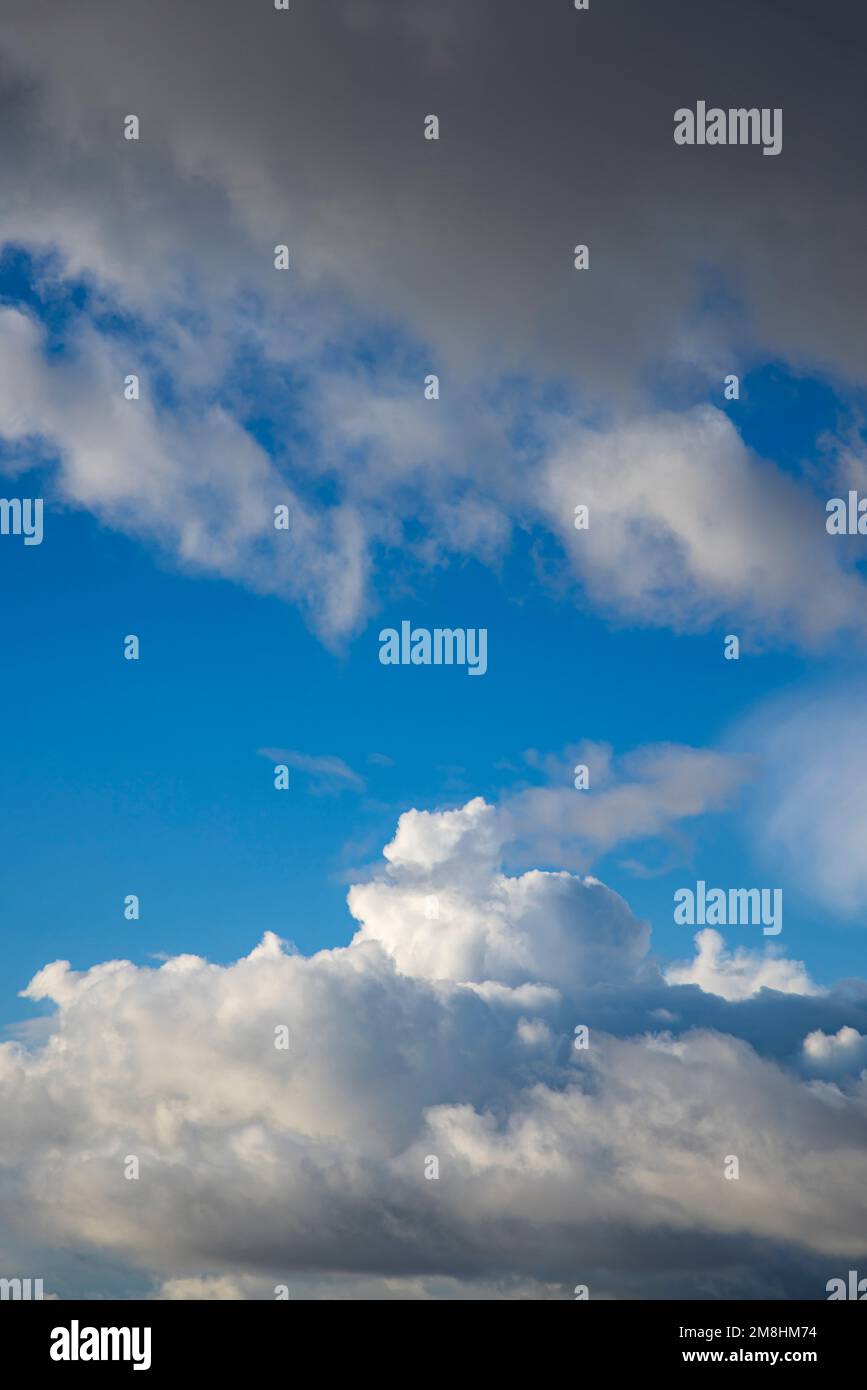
(327, 773)
(645, 795)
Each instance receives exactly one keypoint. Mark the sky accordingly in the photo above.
(430, 906)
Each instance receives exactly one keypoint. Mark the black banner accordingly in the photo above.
(159, 1339)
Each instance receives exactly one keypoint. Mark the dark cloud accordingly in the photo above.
(556, 128)
(305, 128)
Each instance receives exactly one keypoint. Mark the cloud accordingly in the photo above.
(835, 1055)
(809, 812)
(192, 481)
(445, 1037)
(549, 928)
(645, 794)
(699, 266)
(223, 177)
(358, 1288)
(213, 1289)
(741, 973)
(689, 528)
(326, 773)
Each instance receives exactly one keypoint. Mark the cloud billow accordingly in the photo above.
(447, 1036)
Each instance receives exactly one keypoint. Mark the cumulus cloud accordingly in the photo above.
(835, 1055)
(740, 973)
(444, 911)
(446, 1037)
(446, 1028)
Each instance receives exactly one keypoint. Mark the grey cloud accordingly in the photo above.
(557, 128)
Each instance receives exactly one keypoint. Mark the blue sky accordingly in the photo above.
(147, 778)
(431, 909)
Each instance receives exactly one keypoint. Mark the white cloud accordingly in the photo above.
(306, 1166)
(833, 1055)
(739, 973)
(646, 794)
(192, 481)
(809, 811)
(550, 928)
(689, 528)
